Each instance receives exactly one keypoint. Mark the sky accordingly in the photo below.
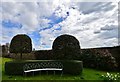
(94, 24)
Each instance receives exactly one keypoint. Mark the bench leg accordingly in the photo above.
(33, 73)
(47, 72)
(54, 72)
(62, 73)
(40, 72)
(24, 74)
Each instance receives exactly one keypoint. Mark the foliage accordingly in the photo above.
(3, 49)
(66, 47)
(16, 67)
(4, 52)
(72, 67)
(99, 59)
(43, 54)
(21, 44)
(110, 76)
(115, 51)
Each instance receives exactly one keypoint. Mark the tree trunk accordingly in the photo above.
(20, 55)
(21, 50)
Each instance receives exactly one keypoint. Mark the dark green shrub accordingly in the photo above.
(69, 67)
(14, 68)
(43, 54)
(115, 51)
(99, 59)
(21, 44)
(72, 67)
(66, 47)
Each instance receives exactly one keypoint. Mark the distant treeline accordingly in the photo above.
(91, 55)
(47, 54)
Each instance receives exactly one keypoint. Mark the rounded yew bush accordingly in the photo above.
(21, 44)
(66, 47)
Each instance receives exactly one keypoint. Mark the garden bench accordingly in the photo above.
(43, 66)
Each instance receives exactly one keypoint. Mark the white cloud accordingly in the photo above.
(88, 27)
(47, 39)
(93, 24)
(27, 13)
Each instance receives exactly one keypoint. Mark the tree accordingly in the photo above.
(66, 47)
(3, 49)
(21, 44)
(98, 59)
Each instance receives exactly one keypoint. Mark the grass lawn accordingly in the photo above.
(88, 74)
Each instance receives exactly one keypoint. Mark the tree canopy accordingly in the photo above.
(21, 44)
(66, 47)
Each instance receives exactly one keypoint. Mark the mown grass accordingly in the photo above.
(88, 74)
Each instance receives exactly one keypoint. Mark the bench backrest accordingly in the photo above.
(42, 65)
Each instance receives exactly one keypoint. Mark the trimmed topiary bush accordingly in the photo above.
(14, 68)
(66, 47)
(72, 67)
(69, 67)
(21, 44)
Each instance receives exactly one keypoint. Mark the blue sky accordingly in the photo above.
(94, 24)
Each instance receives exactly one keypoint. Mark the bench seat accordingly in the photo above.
(47, 69)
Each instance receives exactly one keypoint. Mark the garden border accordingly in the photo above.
(73, 67)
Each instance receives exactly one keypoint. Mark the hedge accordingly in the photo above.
(72, 67)
(43, 54)
(14, 67)
(69, 67)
